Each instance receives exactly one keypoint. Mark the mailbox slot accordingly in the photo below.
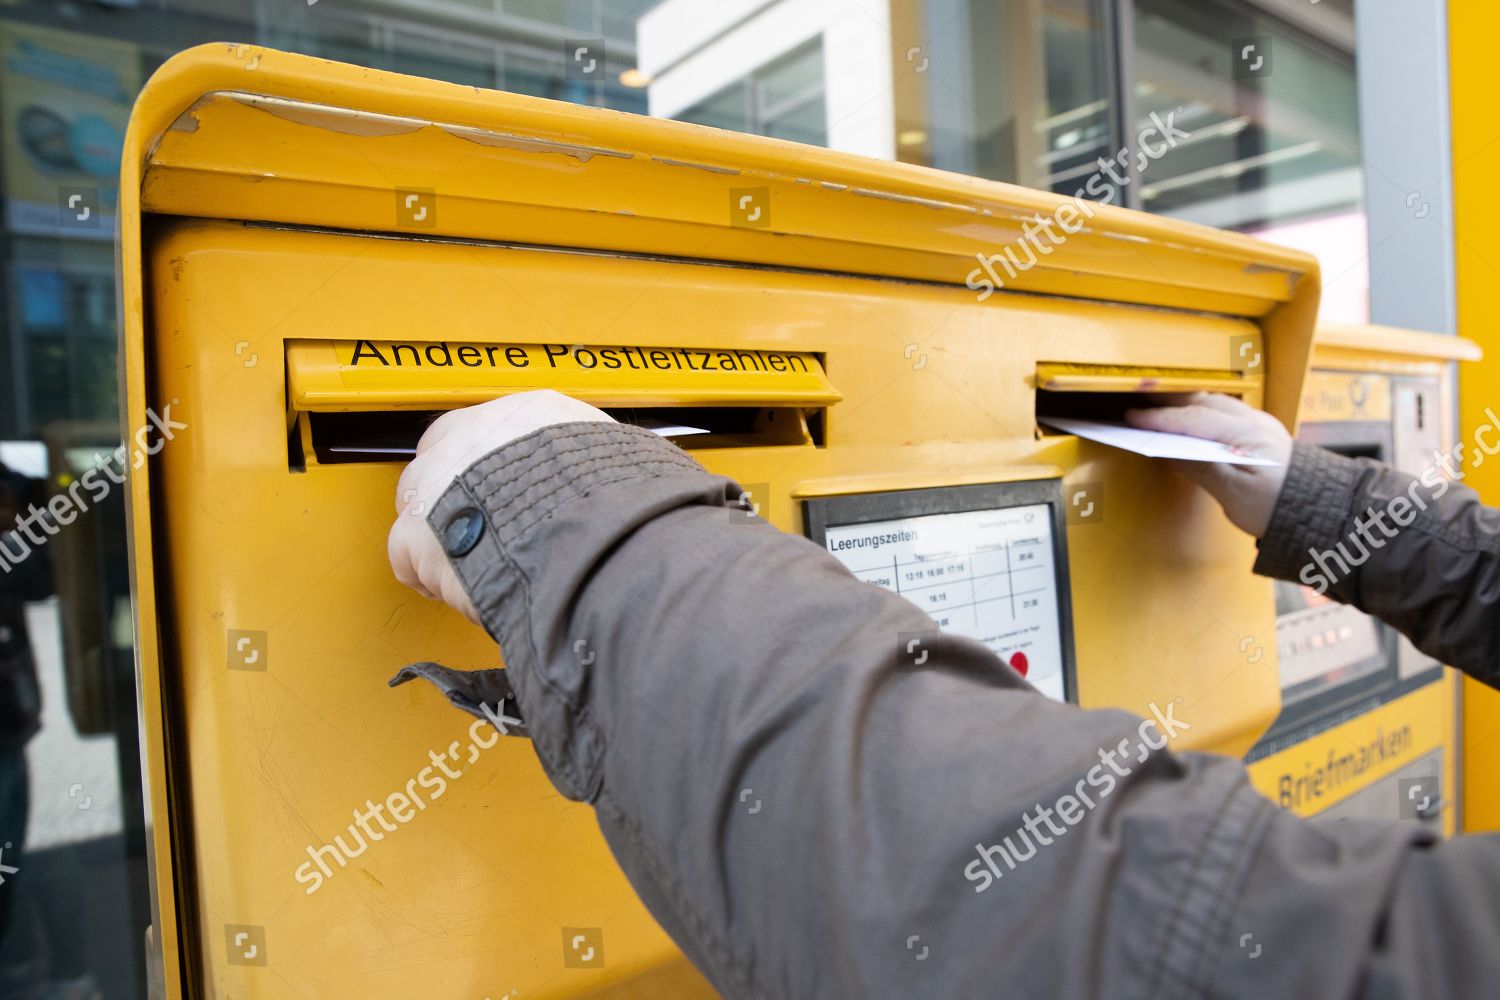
(392, 435)
(1105, 392)
(370, 401)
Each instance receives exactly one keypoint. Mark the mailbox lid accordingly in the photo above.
(351, 148)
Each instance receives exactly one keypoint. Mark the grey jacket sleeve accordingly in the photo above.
(1421, 554)
(810, 817)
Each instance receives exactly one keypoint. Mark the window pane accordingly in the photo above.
(1010, 91)
(441, 59)
(727, 109)
(563, 13)
(784, 98)
(806, 123)
(792, 77)
(1274, 132)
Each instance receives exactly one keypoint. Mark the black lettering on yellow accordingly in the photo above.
(1341, 768)
(441, 355)
(361, 346)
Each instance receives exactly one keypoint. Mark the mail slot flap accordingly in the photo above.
(347, 375)
(1064, 377)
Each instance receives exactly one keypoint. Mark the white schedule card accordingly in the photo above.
(986, 574)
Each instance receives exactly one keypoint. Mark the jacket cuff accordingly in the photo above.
(1312, 510)
(483, 517)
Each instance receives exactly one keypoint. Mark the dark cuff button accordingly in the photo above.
(463, 532)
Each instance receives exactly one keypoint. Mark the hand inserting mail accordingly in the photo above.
(1246, 492)
(455, 441)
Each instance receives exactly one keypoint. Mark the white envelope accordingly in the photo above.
(1155, 444)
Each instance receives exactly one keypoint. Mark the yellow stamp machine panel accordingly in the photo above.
(1369, 725)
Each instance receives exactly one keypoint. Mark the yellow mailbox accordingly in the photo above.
(317, 257)
(1368, 725)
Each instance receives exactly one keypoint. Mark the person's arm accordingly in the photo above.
(809, 814)
(1421, 553)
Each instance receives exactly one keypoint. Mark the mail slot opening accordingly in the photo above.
(1107, 406)
(338, 438)
(1089, 406)
(1105, 392)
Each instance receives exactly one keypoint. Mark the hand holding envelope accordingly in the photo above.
(1237, 453)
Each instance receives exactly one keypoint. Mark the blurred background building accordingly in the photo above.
(1263, 97)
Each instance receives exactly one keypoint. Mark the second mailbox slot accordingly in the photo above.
(1105, 392)
(370, 401)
